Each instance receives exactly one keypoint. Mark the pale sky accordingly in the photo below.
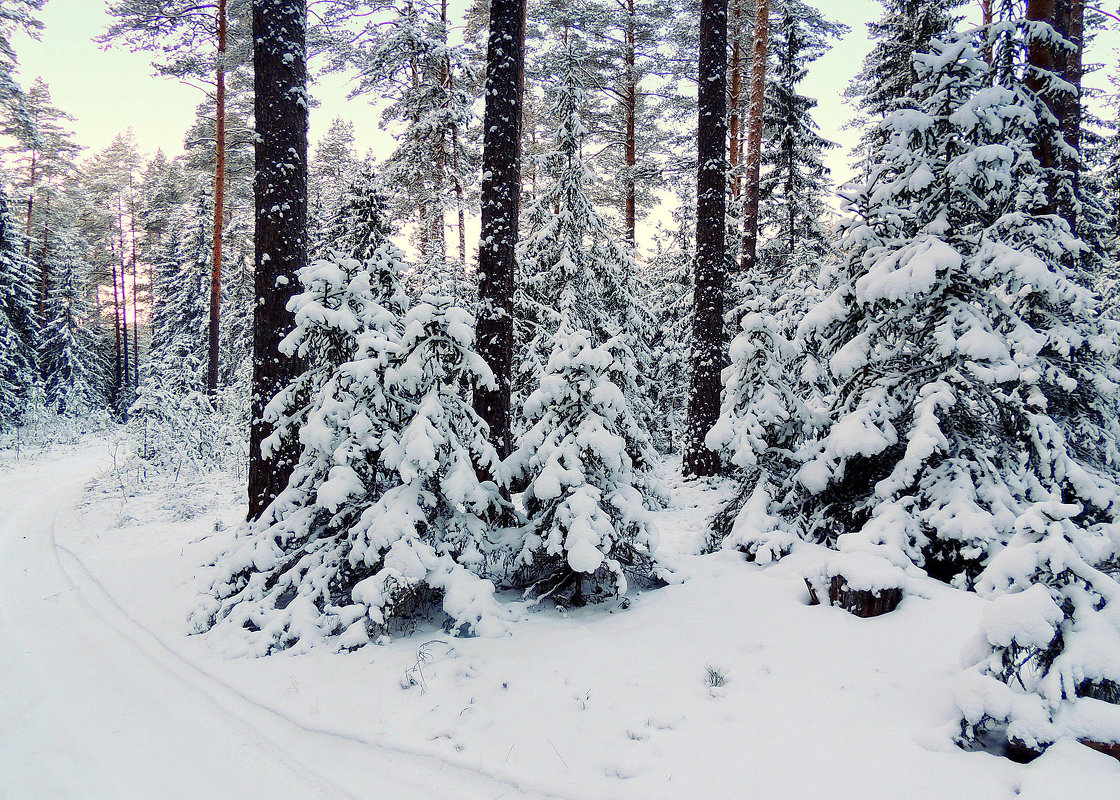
(109, 91)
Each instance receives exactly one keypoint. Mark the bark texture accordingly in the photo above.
(501, 195)
(219, 202)
(280, 192)
(711, 245)
(862, 602)
(753, 144)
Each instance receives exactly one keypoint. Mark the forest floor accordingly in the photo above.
(104, 695)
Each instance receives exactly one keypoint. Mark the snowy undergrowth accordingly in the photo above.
(602, 702)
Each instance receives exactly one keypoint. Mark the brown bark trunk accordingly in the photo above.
(501, 200)
(711, 245)
(219, 204)
(631, 125)
(126, 371)
(734, 96)
(280, 194)
(135, 284)
(986, 19)
(117, 382)
(29, 228)
(753, 148)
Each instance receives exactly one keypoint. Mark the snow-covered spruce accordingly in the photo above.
(70, 356)
(1046, 661)
(974, 374)
(385, 519)
(19, 324)
(589, 535)
(572, 265)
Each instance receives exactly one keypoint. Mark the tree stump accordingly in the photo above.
(863, 602)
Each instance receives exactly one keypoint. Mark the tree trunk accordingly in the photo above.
(117, 382)
(711, 229)
(29, 228)
(1067, 17)
(753, 148)
(126, 370)
(986, 19)
(460, 204)
(734, 97)
(631, 126)
(219, 204)
(280, 192)
(135, 283)
(501, 198)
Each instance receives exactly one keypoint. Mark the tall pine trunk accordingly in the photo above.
(32, 169)
(734, 98)
(753, 146)
(126, 370)
(280, 193)
(135, 282)
(501, 197)
(117, 362)
(219, 203)
(711, 229)
(631, 103)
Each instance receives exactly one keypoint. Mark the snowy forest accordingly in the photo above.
(590, 435)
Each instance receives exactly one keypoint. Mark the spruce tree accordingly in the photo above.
(885, 80)
(571, 263)
(72, 363)
(385, 519)
(974, 374)
(19, 322)
(795, 183)
(589, 534)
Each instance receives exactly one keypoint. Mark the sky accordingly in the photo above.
(109, 90)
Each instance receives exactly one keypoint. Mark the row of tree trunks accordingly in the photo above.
(711, 245)
(280, 193)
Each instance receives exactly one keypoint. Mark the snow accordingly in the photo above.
(104, 695)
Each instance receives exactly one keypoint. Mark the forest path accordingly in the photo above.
(94, 705)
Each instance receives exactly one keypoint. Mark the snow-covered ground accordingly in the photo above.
(103, 695)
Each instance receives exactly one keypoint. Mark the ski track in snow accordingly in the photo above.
(131, 707)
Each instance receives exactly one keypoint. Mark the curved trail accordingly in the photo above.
(94, 705)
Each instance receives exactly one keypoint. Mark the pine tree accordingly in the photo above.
(1046, 659)
(331, 173)
(410, 60)
(41, 155)
(589, 534)
(16, 15)
(670, 275)
(170, 417)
